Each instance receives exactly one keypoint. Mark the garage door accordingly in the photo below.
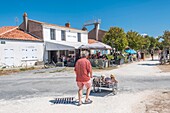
(9, 57)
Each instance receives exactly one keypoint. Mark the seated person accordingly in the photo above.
(108, 80)
(113, 78)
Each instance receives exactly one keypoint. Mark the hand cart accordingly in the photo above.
(99, 82)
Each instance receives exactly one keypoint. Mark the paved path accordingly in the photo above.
(132, 77)
(49, 83)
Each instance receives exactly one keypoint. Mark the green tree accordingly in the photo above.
(135, 40)
(116, 38)
(145, 43)
(153, 42)
(149, 42)
(165, 39)
(159, 45)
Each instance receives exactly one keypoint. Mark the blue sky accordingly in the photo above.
(144, 16)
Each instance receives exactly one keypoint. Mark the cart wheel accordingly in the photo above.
(114, 91)
(93, 88)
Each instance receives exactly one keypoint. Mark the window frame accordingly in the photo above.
(79, 37)
(52, 34)
(63, 35)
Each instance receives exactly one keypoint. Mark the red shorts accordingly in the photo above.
(82, 84)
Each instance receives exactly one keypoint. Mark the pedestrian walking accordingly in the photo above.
(152, 52)
(83, 70)
(138, 55)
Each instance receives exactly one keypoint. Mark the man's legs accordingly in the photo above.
(88, 86)
(152, 56)
(80, 86)
(80, 95)
(87, 93)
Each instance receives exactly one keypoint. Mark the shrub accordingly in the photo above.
(109, 57)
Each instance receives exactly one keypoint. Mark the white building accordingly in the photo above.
(35, 41)
(18, 48)
(59, 41)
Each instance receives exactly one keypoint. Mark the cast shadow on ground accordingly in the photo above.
(74, 101)
(148, 64)
(65, 101)
(103, 93)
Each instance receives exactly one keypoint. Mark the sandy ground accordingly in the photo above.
(109, 104)
(155, 102)
(164, 68)
(141, 102)
(159, 102)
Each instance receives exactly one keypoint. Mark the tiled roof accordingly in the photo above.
(90, 41)
(15, 34)
(54, 25)
(6, 28)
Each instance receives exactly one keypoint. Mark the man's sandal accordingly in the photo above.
(88, 101)
(80, 103)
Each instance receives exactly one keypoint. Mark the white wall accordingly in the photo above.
(20, 53)
(46, 34)
(71, 35)
(84, 38)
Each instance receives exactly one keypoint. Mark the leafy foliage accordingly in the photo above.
(109, 57)
(138, 42)
(116, 38)
(134, 40)
(165, 39)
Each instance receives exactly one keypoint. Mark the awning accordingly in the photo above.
(63, 45)
(95, 45)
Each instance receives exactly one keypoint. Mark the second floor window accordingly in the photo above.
(52, 34)
(63, 35)
(79, 37)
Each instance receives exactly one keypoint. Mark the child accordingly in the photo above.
(113, 78)
(108, 80)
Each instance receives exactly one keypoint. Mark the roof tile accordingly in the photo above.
(6, 28)
(15, 34)
(90, 41)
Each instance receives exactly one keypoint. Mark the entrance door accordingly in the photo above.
(77, 54)
(53, 56)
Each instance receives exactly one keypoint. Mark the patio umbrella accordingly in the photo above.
(131, 51)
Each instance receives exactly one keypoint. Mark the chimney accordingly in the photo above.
(97, 31)
(25, 21)
(67, 24)
(84, 29)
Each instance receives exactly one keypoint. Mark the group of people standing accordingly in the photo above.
(163, 55)
(137, 57)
